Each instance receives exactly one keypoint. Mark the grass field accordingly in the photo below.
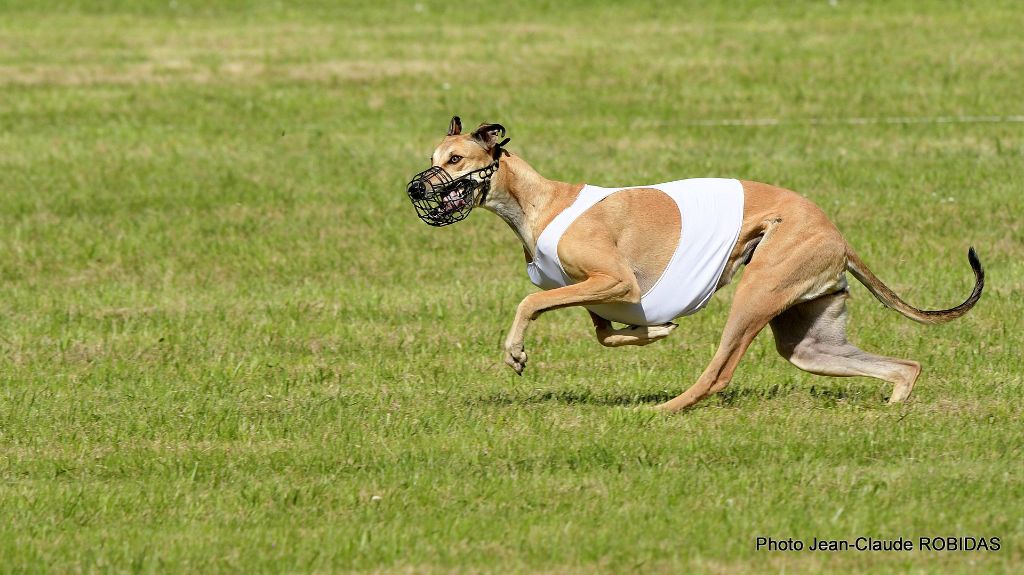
(228, 345)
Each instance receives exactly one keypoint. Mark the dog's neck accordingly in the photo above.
(526, 200)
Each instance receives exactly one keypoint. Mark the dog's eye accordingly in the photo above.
(455, 159)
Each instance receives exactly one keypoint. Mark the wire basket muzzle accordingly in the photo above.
(440, 200)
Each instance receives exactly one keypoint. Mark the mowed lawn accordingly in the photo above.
(227, 344)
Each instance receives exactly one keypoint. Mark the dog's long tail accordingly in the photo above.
(893, 301)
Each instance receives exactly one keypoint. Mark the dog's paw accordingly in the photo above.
(660, 331)
(515, 357)
(645, 334)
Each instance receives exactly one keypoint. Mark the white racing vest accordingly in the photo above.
(711, 212)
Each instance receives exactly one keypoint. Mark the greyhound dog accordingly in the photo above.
(645, 255)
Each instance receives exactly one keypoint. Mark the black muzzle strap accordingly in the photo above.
(500, 148)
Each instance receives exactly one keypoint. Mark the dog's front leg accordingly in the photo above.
(596, 289)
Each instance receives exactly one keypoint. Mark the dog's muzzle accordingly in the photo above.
(440, 199)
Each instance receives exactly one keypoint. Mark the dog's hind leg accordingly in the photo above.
(812, 336)
(632, 335)
(743, 325)
(790, 265)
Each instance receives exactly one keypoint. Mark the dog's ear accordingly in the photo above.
(455, 127)
(488, 134)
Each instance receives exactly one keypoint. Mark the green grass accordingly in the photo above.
(228, 345)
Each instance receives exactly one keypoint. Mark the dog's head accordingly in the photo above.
(460, 173)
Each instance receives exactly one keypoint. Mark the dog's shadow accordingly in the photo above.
(826, 395)
(730, 397)
(576, 397)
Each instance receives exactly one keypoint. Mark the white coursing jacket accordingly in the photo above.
(711, 211)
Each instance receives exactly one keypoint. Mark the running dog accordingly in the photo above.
(645, 255)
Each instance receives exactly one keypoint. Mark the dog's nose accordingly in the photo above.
(417, 190)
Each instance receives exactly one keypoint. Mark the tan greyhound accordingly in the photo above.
(615, 251)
